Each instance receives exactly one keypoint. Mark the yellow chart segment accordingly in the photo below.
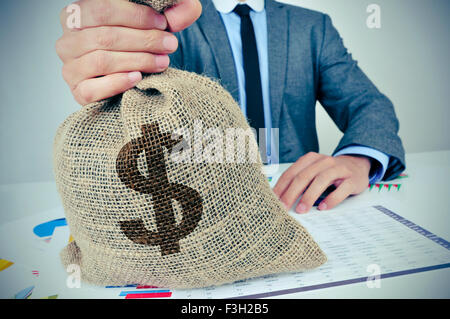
(5, 264)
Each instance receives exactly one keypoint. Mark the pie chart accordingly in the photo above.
(46, 229)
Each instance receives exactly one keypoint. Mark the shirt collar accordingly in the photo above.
(226, 6)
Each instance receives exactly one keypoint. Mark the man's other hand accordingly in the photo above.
(313, 173)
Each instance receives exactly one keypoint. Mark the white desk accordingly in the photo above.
(424, 199)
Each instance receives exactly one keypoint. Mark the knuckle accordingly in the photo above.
(150, 39)
(59, 45)
(306, 175)
(287, 176)
(311, 155)
(344, 171)
(140, 14)
(323, 177)
(287, 179)
(99, 61)
(104, 38)
(302, 179)
(101, 11)
(299, 178)
(329, 161)
(337, 171)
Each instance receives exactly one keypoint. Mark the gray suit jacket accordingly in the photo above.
(307, 63)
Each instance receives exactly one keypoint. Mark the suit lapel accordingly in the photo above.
(277, 29)
(215, 33)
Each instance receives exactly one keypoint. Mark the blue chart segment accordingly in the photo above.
(141, 293)
(46, 229)
(25, 293)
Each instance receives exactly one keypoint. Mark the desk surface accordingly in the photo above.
(424, 199)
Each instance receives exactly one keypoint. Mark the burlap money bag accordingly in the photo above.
(141, 215)
(138, 216)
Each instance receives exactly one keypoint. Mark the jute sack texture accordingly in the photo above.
(139, 217)
(158, 5)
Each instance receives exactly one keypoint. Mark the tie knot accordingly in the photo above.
(242, 10)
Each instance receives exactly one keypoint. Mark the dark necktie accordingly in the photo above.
(253, 90)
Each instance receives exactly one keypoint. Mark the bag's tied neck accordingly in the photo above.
(158, 5)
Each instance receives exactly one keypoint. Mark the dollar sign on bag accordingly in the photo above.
(157, 184)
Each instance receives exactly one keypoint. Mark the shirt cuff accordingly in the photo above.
(382, 160)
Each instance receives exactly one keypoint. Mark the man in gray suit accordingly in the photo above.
(300, 59)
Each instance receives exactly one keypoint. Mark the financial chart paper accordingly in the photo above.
(362, 245)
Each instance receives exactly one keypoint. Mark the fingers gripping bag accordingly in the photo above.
(149, 202)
